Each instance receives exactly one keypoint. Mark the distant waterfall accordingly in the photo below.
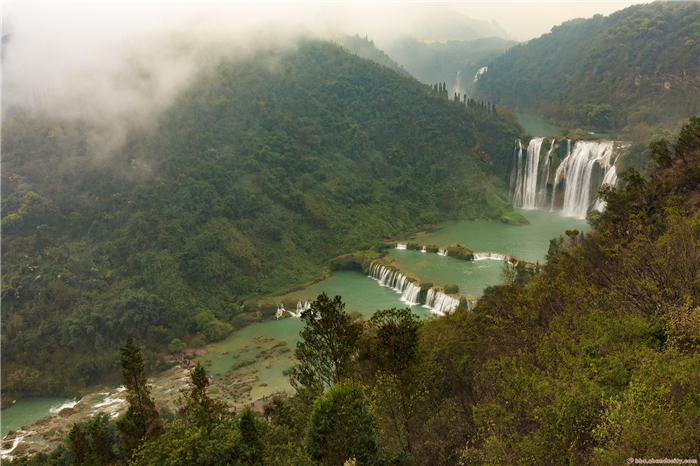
(530, 177)
(578, 175)
(400, 246)
(439, 303)
(442, 252)
(497, 256)
(457, 89)
(301, 307)
(395, 280)
(480, 72)
(423, 249)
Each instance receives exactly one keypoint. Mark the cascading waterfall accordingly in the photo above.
(280, 311)
(573, 177)
(578, 175)
(400, 246)
(395, 280)
(423, 249)
(525, 189)
(439, 303)
(496, 256)
(442, 252)
(457, 89)
(609, 179)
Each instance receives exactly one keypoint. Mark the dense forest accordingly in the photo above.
(629, 72)
(591, 362)
(250, 182)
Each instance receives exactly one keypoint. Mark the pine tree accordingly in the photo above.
(101, 444)
(250, 446)
(79, 445)
(141, 419)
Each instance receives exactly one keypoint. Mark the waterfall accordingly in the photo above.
(610, 179)
(480, 72)
(280, 311)
(516, 194)
(525, 193)
(442, 252)
(496, 256)
(457, 89)
(577, 195)
(400, 246)
(396, 281)
(439, 303)
(301, 307)
(561, 170)
(471, 304)
(410, 294)
(542, 183)
(423, 249)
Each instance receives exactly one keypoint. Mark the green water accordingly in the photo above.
(529, 242)
(27, 411)
(472, 277)
(536, 126)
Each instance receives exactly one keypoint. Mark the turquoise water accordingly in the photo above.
(528, 242)
(29, 410)
(536, 126)
(273, 342)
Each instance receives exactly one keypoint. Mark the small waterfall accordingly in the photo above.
(471, 304)
(480, 72)
(496, 256)
(439, 303)
(280, 311)
(457, 89)
(516, 194)
(301, 307)
(561, 170)
(577, 195)
(396, 281)
(525, 191)
(400, 246)
(423, 249)
(442, 252)
(410, 294)
(610, 179)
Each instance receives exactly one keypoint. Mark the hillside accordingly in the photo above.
(254, 178)
(593, 361)
(433, 62)
(629, 71)
(365, 48)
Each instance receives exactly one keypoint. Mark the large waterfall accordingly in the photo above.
(571, 187)
(395, 280)
(457, 89)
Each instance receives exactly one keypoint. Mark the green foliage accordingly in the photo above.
(451, 289)
(176, 345)
(251, 182)
(141, 418)
(328, 342)
(342, 427)
(628, 71)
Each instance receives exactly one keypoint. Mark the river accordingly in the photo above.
(269, 345)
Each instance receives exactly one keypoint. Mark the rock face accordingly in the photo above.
(47, 433)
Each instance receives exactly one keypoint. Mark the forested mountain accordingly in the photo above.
(628, 71)
(257, 175)
(365, 48)
(439, 62)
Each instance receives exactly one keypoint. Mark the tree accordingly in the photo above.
(329, 341)
(250, 446)
(80, 447)
(141, 419)
(199, 406)
(342, 427)
(176, 346)
(101, 444)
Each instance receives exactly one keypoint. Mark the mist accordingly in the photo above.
(119, 65)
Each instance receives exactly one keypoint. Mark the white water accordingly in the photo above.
(528, 179)
(68, 404)
(442, 252)
(578, 175)
(496, 256)
(423, 249)
(400, 246)
(439, 303)
(457, 89)
(395, 280)
(480, 72)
